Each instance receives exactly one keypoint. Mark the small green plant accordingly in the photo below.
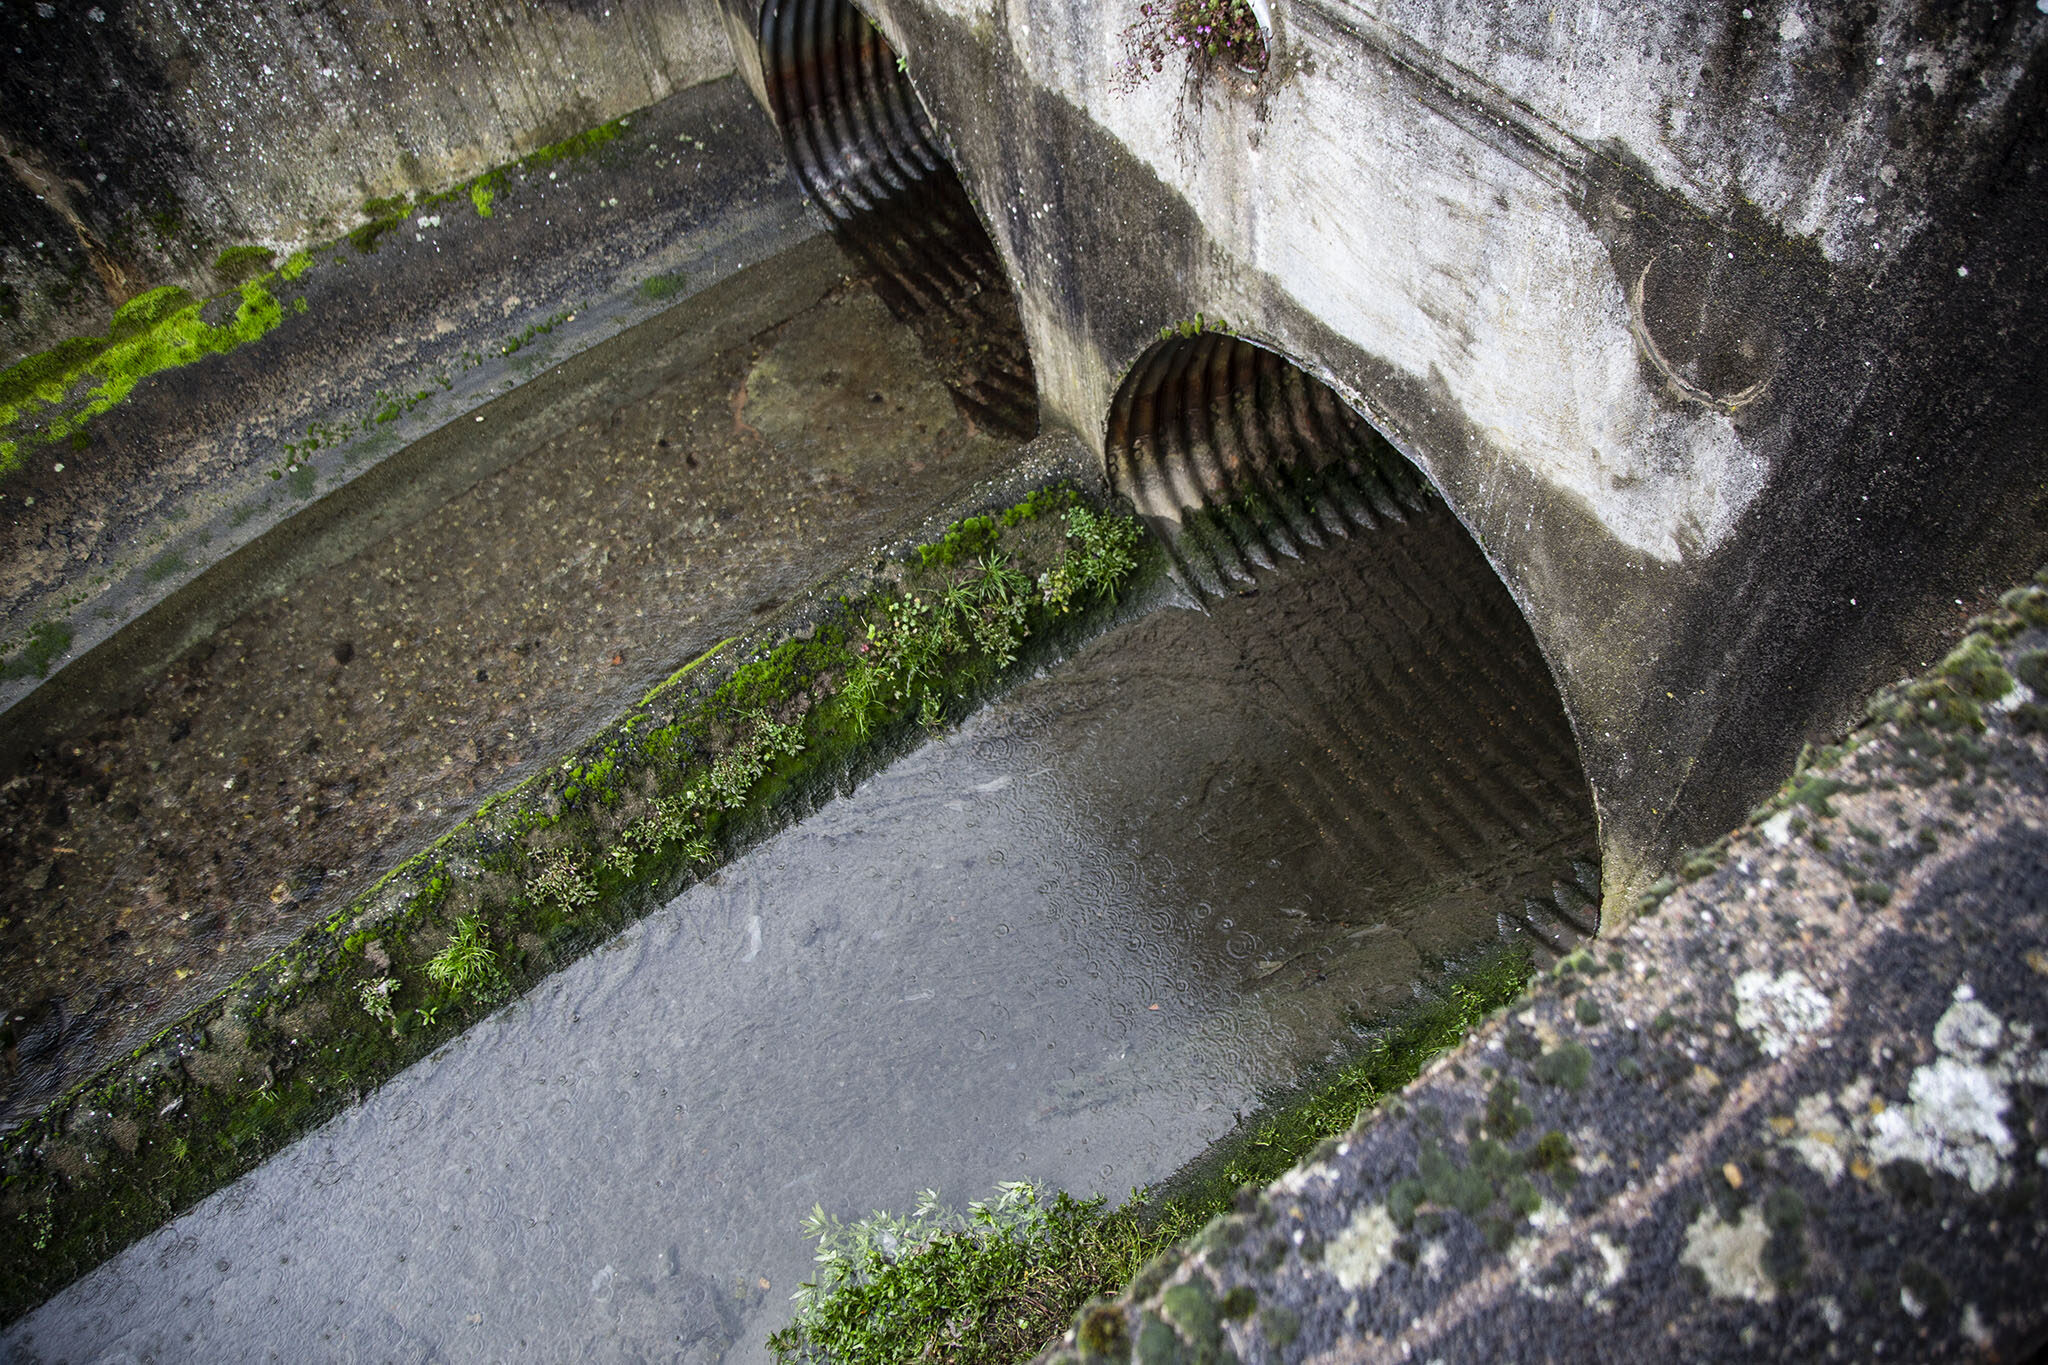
(375, 997)
(481, 195)
(1205, 34)
(467, 965)
(562, 884)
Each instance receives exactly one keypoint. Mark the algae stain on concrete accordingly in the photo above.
(160, 330)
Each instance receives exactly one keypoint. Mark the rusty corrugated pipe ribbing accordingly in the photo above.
(1465, 758)
(864, 149)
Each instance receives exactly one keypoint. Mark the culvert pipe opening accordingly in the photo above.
(865, 150)
(1442, 742)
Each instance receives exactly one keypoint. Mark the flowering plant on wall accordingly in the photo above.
(1206, 34)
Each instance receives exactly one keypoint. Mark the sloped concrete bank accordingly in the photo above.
(414, 323)
(736, 744)
(1797, 1111)
(630, 507)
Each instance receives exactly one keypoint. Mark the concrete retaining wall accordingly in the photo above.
(142, 136)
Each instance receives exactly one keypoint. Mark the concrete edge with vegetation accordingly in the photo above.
(736, 744)
(1797, 1110)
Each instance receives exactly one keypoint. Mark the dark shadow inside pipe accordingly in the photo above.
(1458, 766)
(863, 147)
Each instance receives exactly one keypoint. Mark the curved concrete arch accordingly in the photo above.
(864, 148)
(1241, 459)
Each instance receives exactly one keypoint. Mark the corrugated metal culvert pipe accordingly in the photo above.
(864, 148)
(1446, 746)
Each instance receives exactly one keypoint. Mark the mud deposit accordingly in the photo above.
(1069, 941)
(148, 859)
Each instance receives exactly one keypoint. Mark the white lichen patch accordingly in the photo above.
(1819, 1138)
(1359, 1255)
(1780, 1012)
(1730, 1255)
(1592, 1274)
(1953, 1118)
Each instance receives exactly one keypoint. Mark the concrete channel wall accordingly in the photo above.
(140, 137)
(1717, 331)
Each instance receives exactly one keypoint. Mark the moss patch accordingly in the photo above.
(46, 643)
(51, 396)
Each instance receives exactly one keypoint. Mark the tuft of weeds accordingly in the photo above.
(1204, 34)
(991, 1286)
(468, 965)
(996, 1286)
(562, 884)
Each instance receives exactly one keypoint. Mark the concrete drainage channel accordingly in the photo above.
(1170, 986)
(1062, 850)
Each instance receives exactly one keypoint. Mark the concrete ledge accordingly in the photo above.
(1798, 1111)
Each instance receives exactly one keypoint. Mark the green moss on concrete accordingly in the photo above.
(240, 264)
(46, 643)
(661, 288)
(730, 746)
(64, 388)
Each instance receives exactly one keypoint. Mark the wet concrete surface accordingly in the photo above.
(150, 856)
(1069, 941)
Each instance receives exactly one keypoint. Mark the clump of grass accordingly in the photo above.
(999, 1285)
(993, 1285)
(468, 965)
